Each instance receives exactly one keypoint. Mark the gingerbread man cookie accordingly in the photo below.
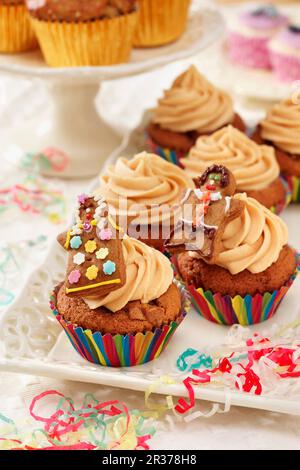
(96, 263)
(211, 208)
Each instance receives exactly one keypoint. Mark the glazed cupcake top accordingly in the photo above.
(262, 21)
(144, 181)
(193, 104)
(282, 126)
(78, 10)
(254, 166)
(149, 274)
(252, 241)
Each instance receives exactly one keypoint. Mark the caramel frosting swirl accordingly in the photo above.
(282, 126)
(149, 274)
(254, 166)
(252, 241)
(143, 183)
(193, 104)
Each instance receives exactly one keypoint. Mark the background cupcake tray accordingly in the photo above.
(74, 125)
(32, 342)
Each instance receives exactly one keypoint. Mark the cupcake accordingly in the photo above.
(160, 22)
(254, 167)
(16, 33)
(233, 253)
(76, 33)
(119, 304)
(142, 192)
(285, 54)
(250, 34)
(280, 128)
(191, 108)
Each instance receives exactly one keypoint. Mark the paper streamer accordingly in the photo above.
(51, 158)
(35, 196)
(93, 426)
(260, 363)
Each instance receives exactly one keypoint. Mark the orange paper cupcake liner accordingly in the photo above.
(91, 43)
(16, 33)
(160, 22)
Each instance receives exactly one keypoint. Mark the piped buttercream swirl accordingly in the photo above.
(148, 276)
(254, 166)
(252, 241)
(193, 104)
(135, 187)
(282, 126)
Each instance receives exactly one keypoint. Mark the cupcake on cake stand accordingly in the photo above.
(78, 138)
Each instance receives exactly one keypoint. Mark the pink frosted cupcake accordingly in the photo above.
(285, 54)
(250, 34)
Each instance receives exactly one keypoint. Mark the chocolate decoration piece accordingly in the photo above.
(211, 208)
(96, 264)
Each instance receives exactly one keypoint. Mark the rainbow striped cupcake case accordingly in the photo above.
(247, 310)
(294, 184)
(120, 350)
(172, 156)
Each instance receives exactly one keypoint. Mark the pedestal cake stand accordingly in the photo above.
(74, 127)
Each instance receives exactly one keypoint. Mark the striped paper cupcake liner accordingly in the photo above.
(248, 310)
(285, 202)
(294, 184)
(120, 350)
(172, 156)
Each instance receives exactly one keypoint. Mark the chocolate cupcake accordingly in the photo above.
(16, 33)
(233, 255)
(142, 192)
(254, 167)
(77, 33)
(118, 304)
(280, 129)
(190, 108)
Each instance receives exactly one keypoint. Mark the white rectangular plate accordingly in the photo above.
(32, 342)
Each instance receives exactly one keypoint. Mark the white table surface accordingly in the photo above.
(123, 102)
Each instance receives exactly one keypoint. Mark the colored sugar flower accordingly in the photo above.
(92, 272)
(82, 198)
(102, 253)
(106, 234)
(74, 276)
(75, 242)
(109, 267)
(79, 258)
(90, 246)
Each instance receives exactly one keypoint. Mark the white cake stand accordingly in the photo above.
(75, 127)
